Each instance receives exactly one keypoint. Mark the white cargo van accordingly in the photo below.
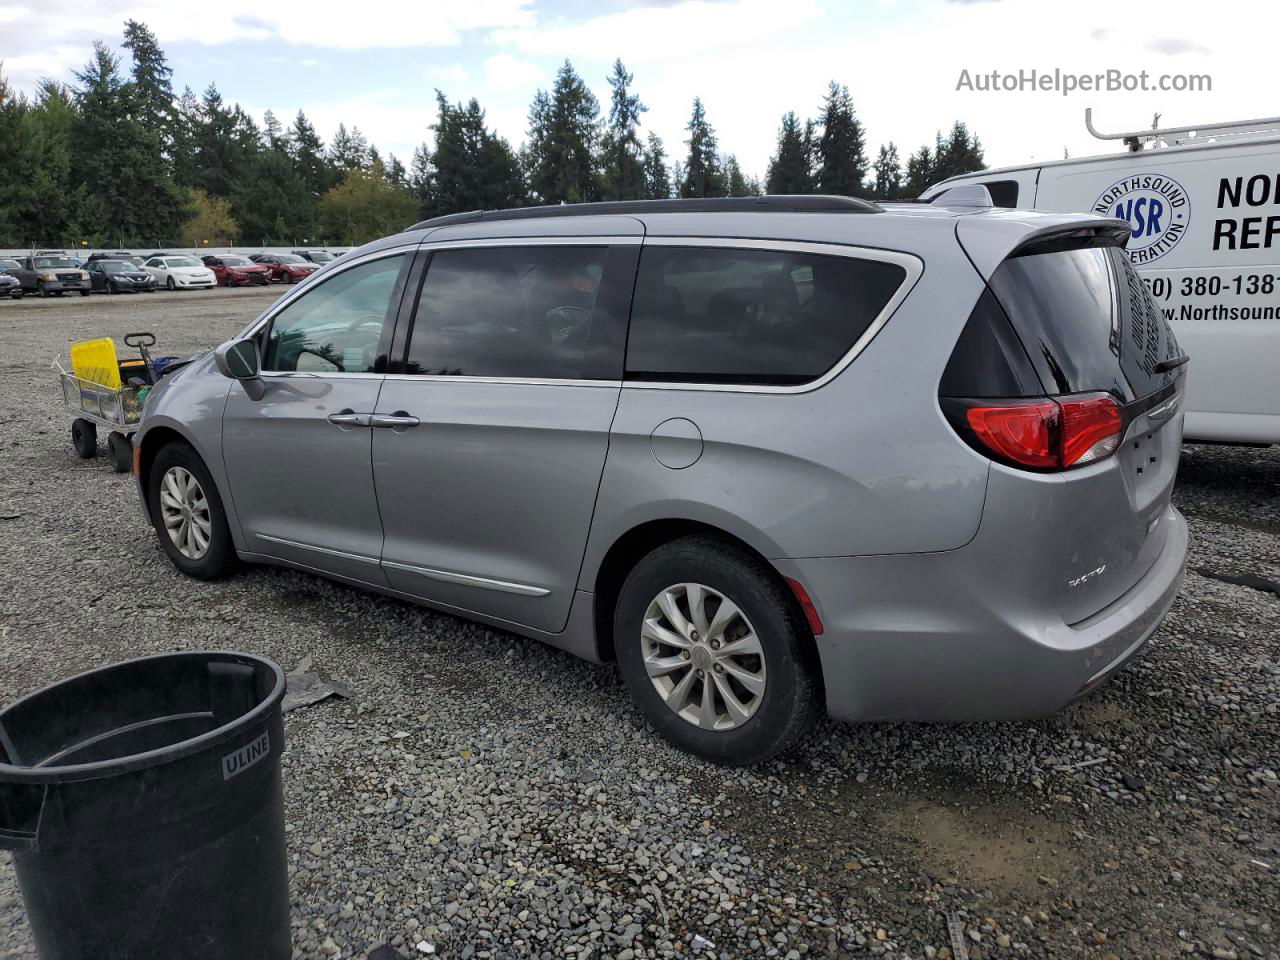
(1203, 205)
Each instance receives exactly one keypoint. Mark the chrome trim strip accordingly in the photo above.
(486, 583)
(538, 381)
(342, 554)
(536, 241)
(912, 264)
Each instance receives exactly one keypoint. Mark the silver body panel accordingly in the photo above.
(942, 579)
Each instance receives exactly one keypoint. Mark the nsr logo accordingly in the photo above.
(1155, 207)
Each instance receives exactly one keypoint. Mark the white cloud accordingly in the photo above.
(43, 44)
(686, 29)
(505, 72)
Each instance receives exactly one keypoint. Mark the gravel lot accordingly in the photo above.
(497, 798)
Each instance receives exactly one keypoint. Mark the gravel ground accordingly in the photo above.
(497, 798)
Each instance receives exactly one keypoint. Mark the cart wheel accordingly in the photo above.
(121, 448)
(84, 437)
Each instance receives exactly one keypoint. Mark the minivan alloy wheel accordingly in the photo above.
(703, 657)
(185, 511)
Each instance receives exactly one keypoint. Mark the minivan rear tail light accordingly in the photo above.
(1092, 427)
(1041, 433)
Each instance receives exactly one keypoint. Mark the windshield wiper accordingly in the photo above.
(1173, 363)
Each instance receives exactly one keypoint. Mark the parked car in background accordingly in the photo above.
(318, 257)
(8, 265)
(119, 276)
(10, 286)
(285, 267)
(180, 272)
(120, 255)
(233, 270)
(51, 275)
(772, 455)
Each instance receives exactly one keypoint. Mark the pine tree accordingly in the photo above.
(657, 177)
(960, 152)
(307, 152)
(564, 133)
(840, 151)
(702, 174)
(349, 151)
(472, 168)
(272, 132)
(117, 159)
(791, 169)
(888, 173)
(624, 172)
(152, 84)
(738, 185)
(920, 173)
(396, 172)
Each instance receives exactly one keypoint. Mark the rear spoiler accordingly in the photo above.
(991, 239)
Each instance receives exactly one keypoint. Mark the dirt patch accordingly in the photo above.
(981, 845)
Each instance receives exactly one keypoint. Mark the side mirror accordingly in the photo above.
(239, 361)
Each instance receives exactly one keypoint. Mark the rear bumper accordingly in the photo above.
(941, 637)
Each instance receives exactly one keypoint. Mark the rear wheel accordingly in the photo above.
(84, 438)
(714, 652)
(121, 449)
(187, 514)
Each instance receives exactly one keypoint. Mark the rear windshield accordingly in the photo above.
(1086, 320)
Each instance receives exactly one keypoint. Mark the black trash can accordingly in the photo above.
(144, 809)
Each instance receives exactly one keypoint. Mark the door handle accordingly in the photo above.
(349, 418)
(400, 420)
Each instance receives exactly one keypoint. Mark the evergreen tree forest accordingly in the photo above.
(116, 157)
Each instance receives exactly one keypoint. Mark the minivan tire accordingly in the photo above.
(791, 699)
(219, 558)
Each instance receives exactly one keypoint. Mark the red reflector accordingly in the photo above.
(810, 611)
(1023, 432)
(1091, 428)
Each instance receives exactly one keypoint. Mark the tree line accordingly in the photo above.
(117, 158)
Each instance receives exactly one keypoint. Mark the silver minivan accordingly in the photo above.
(772, 455)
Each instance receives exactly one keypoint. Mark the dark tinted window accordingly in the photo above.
(1004, 193)
(508, 312)
(1086, 320)
(989, 360)
(336, 327)
(713, 315)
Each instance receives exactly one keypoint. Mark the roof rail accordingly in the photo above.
(772, 203)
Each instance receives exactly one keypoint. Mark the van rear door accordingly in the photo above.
(1087, 328)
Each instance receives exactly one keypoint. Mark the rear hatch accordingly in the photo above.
(1067, 368)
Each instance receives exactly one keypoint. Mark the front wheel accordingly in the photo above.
(715, 652)
(84, 438)
(188, 515)
(170, 285)
(85, 293)
(42, 289)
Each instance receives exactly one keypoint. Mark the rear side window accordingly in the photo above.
(1004, 193)
(713, 315)
(1086, 321)
(520, 312)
